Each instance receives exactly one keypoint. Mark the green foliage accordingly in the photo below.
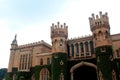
(36, 71)
(59, 65)
(104, 56)
(3, 71)
(27, 75)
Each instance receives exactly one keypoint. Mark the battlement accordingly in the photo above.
(98, 21)
(34, 44)
(59, 30)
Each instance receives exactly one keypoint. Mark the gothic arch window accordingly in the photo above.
(68, 49)
(106, 34)
(81, 45)
(94, 35)
(72, 49)
(41, 61)
(92, 47)
(114, 75)
(48, 61)
(44, 74)
(61, 42)
(86, 48)
(61, 76)
(100, 35)
(77, 48)
(100, 75)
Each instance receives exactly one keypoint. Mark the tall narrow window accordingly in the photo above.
(82, 49)
(77, 49)
(86, 48)
(61, 42)
(92, 47)
(72, 50)
(41, 61)
(48, 61)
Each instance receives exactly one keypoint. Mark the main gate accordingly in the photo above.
(84, 71)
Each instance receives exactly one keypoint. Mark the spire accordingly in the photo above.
(15, 41)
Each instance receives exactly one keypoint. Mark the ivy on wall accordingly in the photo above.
(27, 75)
(59, 66)
(104, 56)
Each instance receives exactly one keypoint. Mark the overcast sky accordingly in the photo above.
(31, 20)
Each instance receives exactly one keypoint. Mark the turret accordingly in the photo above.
(100, 28)
(14, 43)
(59, 34)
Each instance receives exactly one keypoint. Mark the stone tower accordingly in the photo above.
(100, 28)
(14, 45)
(59, 34)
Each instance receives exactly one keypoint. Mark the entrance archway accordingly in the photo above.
(84, 71)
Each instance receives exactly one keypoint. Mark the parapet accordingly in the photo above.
(96, 21)
(59, 30)
(35, 44)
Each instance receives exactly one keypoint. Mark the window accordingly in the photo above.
(25, 62)
(82, 49)
(61, 42)
(48, 61)
(44, 74)
(92, 47)
(72, 50)
(77, 48)
(41, 61)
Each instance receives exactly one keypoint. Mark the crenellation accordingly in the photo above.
(98, 20)
(59, 30)
(34, 44)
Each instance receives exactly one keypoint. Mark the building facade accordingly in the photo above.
(93, 57)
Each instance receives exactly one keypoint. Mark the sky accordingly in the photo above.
(31, 20)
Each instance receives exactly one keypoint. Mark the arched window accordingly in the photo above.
(106, 34)
(61, 42)
(86, 48)
(41, 61)
(72, 50)
(92, 47)
(82, 49)
(114, 75)
(48, 61)
(100, 35)
(68, 49)
(44, 74)
(77, 49)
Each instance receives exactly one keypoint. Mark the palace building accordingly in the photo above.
(93, 57)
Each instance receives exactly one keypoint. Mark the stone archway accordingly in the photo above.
(81, 64)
